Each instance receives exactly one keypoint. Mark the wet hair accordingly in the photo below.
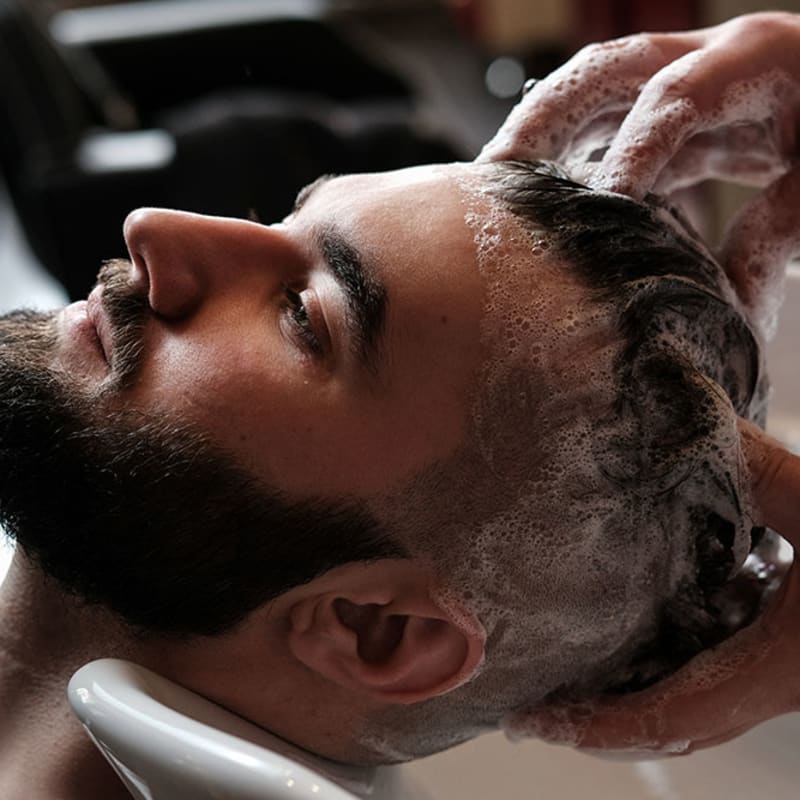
(646, 262)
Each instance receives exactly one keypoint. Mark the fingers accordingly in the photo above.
(600, 79)
(775, 481)
(760, 242)
(714, 698)
(743, 154)
(748, 72)
(723, 692)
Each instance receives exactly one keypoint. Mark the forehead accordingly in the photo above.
(457, 248)
(424, 234)
(411, 228)
(411, 202)
(436, 229)
(440, 218)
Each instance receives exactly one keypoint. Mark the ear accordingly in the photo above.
(380, 629)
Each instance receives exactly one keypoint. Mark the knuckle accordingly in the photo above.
(614, 49)
(770, 23)
(672, 85)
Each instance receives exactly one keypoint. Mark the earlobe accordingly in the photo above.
(385, 636)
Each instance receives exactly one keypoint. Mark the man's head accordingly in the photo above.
(462, 464)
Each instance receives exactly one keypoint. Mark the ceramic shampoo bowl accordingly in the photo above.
(167, 743)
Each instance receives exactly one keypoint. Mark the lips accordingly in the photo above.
(98, 318)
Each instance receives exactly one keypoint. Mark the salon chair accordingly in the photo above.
(167, 743)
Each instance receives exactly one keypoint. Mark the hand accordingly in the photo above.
(760, 241)
(723, 692)
(718, 102)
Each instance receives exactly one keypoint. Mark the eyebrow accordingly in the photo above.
(365, 294)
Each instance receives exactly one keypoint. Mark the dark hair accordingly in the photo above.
(146, 518)
(683, 342)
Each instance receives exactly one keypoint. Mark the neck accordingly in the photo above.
(45, 636)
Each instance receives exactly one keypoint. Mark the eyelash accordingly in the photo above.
(299, 317)
(296, 307)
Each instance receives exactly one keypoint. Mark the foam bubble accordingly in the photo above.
(652, 138)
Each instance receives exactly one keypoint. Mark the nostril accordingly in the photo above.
(173, 289)
(140, 277)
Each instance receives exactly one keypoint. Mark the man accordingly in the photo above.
(441, 444)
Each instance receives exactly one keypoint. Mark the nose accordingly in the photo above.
(186, 258)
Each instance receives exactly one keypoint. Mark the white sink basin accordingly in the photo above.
(167, 743)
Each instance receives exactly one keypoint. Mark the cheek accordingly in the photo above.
(435, 368)
(273, 409)
(235, 386)
(300, 428)
(200, 374)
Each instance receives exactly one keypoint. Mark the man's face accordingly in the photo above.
(330, 358)
(202, 432)
(391, 321)
(333, 353)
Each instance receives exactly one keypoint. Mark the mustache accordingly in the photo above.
(127, 309)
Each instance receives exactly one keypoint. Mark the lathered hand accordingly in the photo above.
(761, 240)
(718, 102)
(723, 692)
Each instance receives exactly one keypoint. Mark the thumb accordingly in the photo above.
(760, 241)
(715, 697)
(775, 480)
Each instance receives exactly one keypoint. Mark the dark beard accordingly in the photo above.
(79, 483)
(127, 310)
(144, 516)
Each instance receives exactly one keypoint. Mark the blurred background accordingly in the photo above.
(230, 106)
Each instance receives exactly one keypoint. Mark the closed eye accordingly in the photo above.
(302, 325)
(305, 330)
